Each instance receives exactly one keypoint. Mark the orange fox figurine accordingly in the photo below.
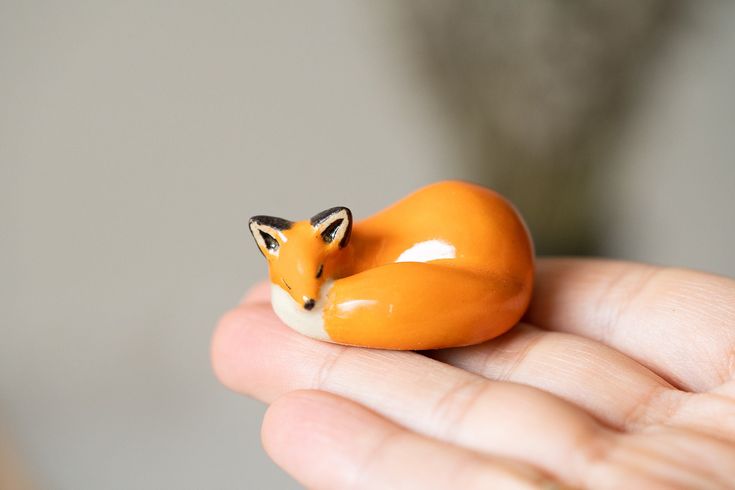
(449, 265)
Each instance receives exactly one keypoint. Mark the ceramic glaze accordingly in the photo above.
(447, 266)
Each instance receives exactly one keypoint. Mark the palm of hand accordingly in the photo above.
(621, 376)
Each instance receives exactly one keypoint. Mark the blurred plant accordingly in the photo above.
(538, 90)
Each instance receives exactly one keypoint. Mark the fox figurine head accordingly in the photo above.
(300, 254)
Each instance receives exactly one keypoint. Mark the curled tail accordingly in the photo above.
(409, 305)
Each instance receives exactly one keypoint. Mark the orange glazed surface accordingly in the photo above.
(449, 265)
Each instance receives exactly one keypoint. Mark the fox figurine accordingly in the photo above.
(449, 265)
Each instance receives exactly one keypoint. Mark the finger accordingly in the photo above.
(668, 457)
(611, 386)
(258, 293)
(325, 441)
(677, 322)
(254, 353)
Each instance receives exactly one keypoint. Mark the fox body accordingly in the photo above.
(447, 266)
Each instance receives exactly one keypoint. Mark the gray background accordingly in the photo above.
(136, 138)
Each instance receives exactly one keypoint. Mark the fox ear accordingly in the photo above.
(334, 225)
(268, 233)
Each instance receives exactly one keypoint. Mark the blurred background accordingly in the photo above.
(136, 138)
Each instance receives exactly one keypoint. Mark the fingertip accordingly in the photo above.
(226, 346)
(221, 346)
(276, 431)
(258, 293)
(286, 418)
(303, 432)
(233, 339)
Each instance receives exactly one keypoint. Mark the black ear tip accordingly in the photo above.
(253, 222)
(272, 221)
(319, 217)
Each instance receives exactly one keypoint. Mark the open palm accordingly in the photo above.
(620, 376)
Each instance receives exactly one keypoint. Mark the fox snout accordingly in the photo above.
(298, 253)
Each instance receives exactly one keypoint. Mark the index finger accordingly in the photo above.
(257, 293)
(677, 322)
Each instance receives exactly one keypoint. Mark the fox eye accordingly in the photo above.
(319, 271)
(270, 242)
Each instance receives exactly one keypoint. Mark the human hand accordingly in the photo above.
(620, 376)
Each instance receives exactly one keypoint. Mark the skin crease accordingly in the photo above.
(620, 376)
(475, 295)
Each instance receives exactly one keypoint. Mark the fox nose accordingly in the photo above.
(309, 304)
